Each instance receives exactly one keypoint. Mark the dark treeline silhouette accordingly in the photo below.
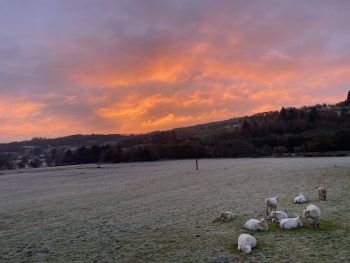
(115, 154)
(306, 131)
(6, 162)
(289, 131)
(72, 140)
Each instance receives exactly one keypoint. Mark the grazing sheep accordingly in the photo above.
(225, 216)
(276, 216)
(271, 204)
(313, 214)
(321, 192)
(254, 224)
(300, 199)
(291, 223)
(246, 243)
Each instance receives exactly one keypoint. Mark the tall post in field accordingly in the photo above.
(195, 154)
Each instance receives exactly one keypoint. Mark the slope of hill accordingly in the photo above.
(290, 131)
(71, 140)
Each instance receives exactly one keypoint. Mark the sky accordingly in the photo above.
(135, 66)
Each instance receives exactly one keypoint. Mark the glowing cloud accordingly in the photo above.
(137, 66)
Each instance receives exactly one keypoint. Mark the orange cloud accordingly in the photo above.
(18, 109)
(22, 119)
(136, 114)
(143, 67)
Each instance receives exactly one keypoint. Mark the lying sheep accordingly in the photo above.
(254, 224)
(225, 216)
(313, 214)
(321, 192)
(300, 199)
(291, 223)
(246, 243)
(276, 216)
(271, 204)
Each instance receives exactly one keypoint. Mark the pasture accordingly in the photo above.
(164, 211)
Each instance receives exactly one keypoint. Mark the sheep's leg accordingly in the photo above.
(315, 223)
(312, 223)
(268, 210)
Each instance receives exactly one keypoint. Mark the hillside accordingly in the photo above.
(311, 130)
(71, 140)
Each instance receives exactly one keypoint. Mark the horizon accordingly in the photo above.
(155, 131)
(140, 67)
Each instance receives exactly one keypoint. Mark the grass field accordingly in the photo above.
(163, 211)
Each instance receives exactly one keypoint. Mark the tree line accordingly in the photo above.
(288, 131)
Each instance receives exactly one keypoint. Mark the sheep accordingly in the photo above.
(276, 216)
(254, 224)
(313, 214)
(225, 216)
(299, 199)
(271, 204)
(246, 242)
(321, 192)
(291, 223)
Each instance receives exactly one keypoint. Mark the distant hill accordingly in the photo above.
(307, 131)
(71, 140)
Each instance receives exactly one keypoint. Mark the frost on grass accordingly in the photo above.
(163, 211)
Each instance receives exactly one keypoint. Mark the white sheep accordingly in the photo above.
(300, 199)
(246, 243)
(313, 214)
(254, 224)
(225, 216)
(271, 204)
(276, 216)
(291, 223)
(321, 192)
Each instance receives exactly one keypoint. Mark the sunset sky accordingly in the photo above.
(134, 66)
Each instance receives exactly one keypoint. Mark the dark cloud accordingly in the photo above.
(132, 65)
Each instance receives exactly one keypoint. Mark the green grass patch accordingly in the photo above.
(270, 243)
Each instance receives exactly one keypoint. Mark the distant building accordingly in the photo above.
(341, 109)
(347, 101)
(28, 149)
